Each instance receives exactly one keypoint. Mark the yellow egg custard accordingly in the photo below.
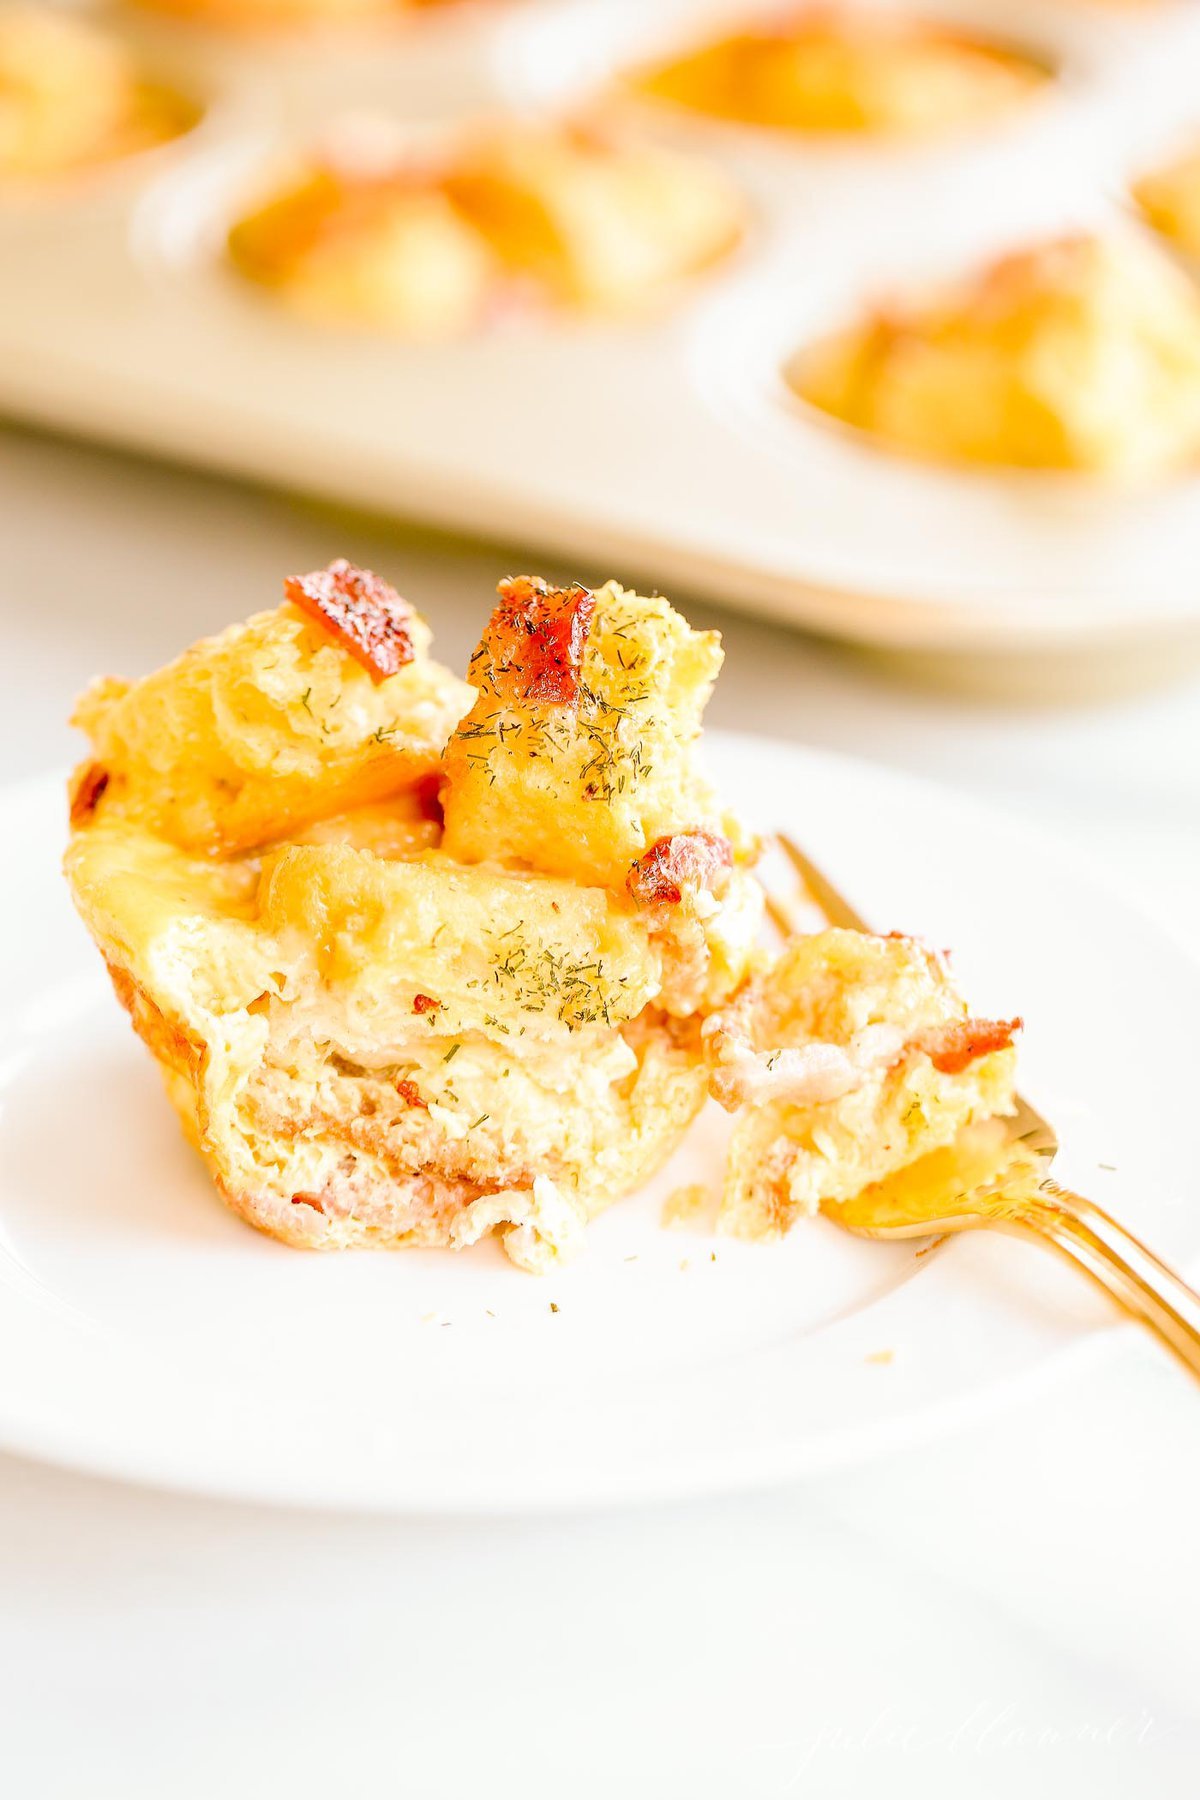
(72, 96)
(1078, 354)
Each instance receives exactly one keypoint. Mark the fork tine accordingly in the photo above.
(836, 908)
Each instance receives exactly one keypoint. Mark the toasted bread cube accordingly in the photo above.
(848, 1059)
(578, 753)
(250, 736)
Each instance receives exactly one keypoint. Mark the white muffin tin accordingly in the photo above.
(670, 451)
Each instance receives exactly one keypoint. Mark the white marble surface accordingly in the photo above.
(1011, 1611)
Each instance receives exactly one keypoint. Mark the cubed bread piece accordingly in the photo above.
(1079, 354)
(328, 703)
(579, 751)
(850, 1057)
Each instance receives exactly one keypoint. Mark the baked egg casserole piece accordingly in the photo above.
(369, 1038)
(578, 758)
(403, 998)
(72, 95)
(847, 1059)
(1079, 354)
(834, 69)
(576, 216)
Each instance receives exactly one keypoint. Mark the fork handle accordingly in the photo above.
(1120, 1264)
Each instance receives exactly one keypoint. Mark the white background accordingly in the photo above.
(1011, 1611)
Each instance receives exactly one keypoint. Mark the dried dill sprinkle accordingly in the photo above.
(304, 699)
(481, 1120)
(451, 1053)
(602, 730)
(550, 982)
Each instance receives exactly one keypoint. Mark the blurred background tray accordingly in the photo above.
(670, 450)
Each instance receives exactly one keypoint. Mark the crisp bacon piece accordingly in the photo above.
(87, 791)
(688, 859)
(428, 795)
(424, 1003)
(411, 1094)
(953, 1048)
(363, 612)
(536, 639)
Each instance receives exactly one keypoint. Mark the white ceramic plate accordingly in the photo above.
(146, 1332)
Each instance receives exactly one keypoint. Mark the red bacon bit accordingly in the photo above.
(689, 859)
(308, 1200)
(536, 639)
(87, 791)
(423, 1003)
(428, 794)
(411, 1095)
(953, 1048)
(363, 612)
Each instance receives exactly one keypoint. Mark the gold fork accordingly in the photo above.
(998, 1174)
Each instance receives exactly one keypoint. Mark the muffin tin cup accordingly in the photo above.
(668, 449)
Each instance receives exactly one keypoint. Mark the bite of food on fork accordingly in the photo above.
(994, 1170)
